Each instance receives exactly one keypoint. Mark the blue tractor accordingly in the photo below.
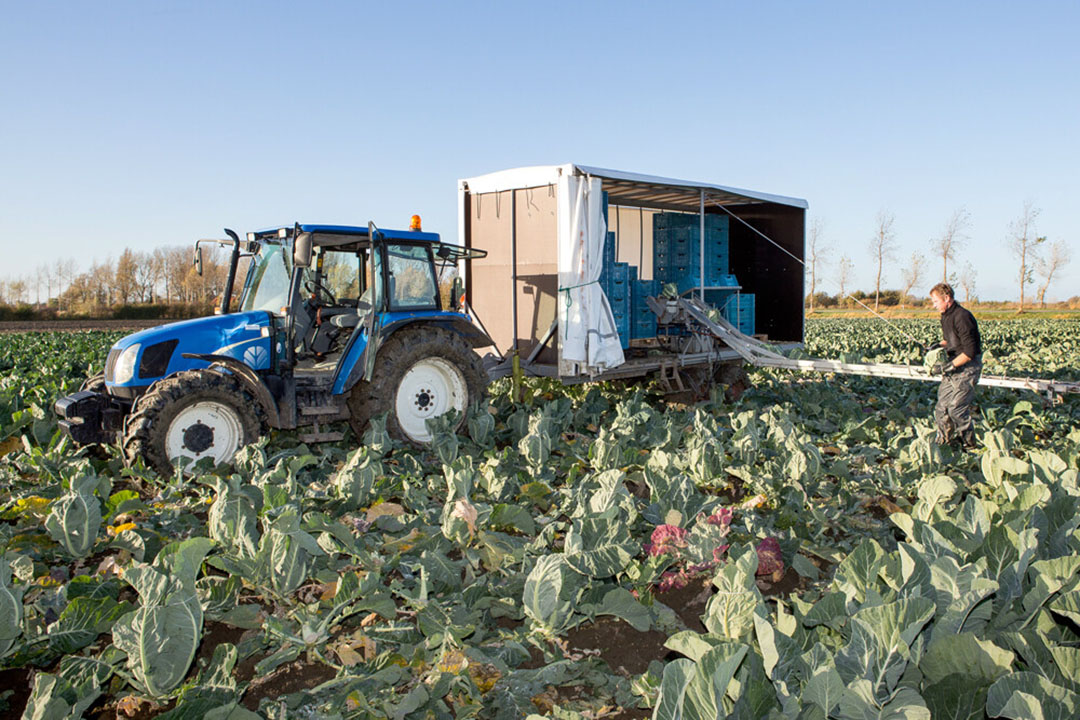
(334, 323)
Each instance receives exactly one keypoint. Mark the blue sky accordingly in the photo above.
(136, 124)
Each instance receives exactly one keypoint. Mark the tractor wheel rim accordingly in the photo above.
(204, 430)
(430, 388)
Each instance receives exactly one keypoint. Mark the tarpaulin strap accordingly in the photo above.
(570, 303)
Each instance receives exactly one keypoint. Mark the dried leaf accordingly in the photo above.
(381, 509)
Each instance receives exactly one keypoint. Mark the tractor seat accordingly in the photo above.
(348, 317)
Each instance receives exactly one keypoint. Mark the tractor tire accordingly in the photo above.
(420, 373)
(194, 414)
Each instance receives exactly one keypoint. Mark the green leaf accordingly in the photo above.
(692, 644)
(880, 645)
(160, 642)
(1068, 604)
(933, 492)
(620, 603)
(705, 692)
(11, 609)
(1020, 694)
(824, 689)
(957, 697)
(730, 611)
(858, 572)
(670, 702)
(548, 590)
(82, 621)
(966, 655)
(599, 546)
(233, 517)
(75, 519)
(830, 610)
(504, 515)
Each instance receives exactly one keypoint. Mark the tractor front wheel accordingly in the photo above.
(420, 373)
(194, 414)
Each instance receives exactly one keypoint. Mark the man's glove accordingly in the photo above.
(943, 369)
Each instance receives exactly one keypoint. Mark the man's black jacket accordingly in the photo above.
(961, 332)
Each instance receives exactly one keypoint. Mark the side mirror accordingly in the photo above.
(197, 260)
(302, 250)
(457, 293)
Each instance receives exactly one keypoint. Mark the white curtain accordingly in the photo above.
(588, 339)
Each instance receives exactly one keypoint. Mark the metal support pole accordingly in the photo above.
(701, 248)
(517, 390)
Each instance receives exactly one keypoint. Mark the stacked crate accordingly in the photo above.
(615, 282)
(677, 250)
(643, 319)
(739, 311)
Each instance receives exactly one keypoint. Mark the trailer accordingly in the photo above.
(574, 253)
(578, 255)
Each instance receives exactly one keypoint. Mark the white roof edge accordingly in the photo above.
(540, 175)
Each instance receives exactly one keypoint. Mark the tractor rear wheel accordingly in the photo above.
(420, 373)
(194, 414)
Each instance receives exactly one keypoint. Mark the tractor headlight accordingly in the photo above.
(125, 364)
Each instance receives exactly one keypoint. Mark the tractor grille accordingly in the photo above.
(110, 364)
(155, 359)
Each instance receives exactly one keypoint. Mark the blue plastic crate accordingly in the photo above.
(619, 285)
(643, 328)
(740, 311)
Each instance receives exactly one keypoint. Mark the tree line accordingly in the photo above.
(1039, 262)
(164, 276)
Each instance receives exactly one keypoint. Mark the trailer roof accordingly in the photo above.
(626, 188)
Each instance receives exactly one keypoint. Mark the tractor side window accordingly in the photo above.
(341, 275)
(412, 278)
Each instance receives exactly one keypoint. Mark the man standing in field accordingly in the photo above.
(961, 370)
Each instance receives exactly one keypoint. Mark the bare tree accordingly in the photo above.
(843, 275)
(967, 281)
(125, 282)
(147, 274)
(912, 275)
(1047, 267)
(17, 291)
(1023, 243)
(816, 255)
(882, 246)
(952, 238)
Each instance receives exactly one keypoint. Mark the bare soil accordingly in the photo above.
(12, 326)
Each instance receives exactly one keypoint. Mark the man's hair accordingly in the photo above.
(944, 290)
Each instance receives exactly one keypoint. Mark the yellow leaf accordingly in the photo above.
(348, 656)
(453, 662)
(10, 445)
(484, 676)
(32, 505)
(329, 591)
(377, 511)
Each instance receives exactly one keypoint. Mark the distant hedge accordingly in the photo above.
(155, 311)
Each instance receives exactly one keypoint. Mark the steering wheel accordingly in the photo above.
(320, 292)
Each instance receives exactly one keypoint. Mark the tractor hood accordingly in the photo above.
(148, 355)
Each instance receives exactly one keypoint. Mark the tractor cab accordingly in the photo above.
(330, 289)
(334, 323)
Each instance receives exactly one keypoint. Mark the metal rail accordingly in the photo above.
(760, 354)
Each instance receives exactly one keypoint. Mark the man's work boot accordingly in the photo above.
(968, 440)
(943, 438)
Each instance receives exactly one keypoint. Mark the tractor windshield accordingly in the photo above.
(268, 281)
